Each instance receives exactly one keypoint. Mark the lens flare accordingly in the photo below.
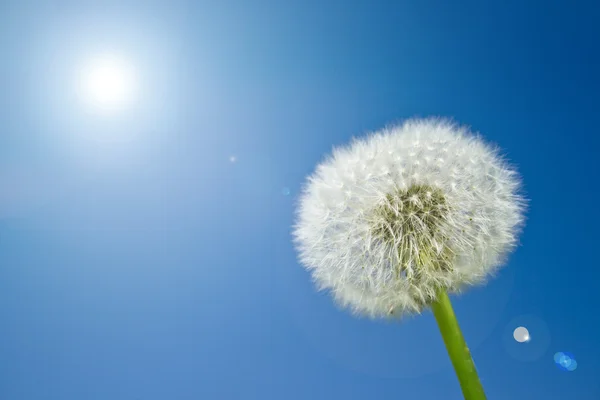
(565, 361)
(521, 334)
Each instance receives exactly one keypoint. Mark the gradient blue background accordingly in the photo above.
(138, 262)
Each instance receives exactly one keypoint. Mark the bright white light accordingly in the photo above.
(108, 83)
(521, 334)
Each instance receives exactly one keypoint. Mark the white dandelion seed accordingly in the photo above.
(388, 220)
(391, 223)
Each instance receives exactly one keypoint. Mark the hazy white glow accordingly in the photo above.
(232, 159)
(521, 334)
(108, 83)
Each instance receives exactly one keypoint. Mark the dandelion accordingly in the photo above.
(392, 223)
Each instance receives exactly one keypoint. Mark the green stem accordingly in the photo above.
(457, 348)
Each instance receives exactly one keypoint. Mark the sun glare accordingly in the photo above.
(108, 83)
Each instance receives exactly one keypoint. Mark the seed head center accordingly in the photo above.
(410, 221)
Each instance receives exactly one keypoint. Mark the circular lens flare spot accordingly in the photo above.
(565, 361)
(558, 356)
(520, 342)
(521, 334)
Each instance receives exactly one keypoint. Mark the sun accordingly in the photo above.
(108, 83)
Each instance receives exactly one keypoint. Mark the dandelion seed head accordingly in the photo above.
(383, 224)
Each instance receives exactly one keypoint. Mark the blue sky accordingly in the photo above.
(138, 262)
